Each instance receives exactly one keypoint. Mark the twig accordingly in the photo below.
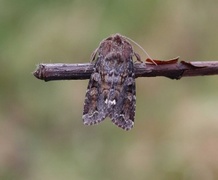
(172, 69)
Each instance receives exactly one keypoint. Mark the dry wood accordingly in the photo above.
(172, 69)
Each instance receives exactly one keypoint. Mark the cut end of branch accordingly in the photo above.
(38, 72)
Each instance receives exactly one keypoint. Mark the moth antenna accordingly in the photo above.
(141, 49)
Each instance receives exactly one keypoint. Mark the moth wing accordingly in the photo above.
(124, 111)
(94, 109)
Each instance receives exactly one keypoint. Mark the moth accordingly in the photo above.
(111, 89)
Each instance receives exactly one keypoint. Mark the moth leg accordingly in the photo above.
(138, 58)
(93, 55)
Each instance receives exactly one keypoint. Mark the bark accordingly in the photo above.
(172, 69)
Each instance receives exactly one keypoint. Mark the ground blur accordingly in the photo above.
(41, 132)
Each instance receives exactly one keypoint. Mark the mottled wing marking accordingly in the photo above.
(111, 89)
(124, 112)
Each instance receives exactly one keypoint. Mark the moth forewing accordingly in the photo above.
(111, 89)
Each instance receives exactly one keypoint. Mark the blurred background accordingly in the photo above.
(41, 131)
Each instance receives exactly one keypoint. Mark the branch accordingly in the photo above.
(172, 69)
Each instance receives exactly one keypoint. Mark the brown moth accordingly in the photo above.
(111, 90)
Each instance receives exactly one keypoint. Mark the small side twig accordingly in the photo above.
(172, 69)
